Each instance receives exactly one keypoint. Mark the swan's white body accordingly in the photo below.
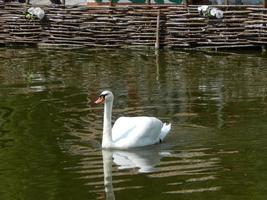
(130, 132)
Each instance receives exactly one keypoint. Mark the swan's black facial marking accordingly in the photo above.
(105, 93)
(101, 98)
(104, 96)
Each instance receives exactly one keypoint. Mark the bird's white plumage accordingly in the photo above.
(136, 131)
(130, 132)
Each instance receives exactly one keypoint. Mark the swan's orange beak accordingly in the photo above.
(100, 99)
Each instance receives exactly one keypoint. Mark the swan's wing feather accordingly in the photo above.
(136, 131)
(122, 127)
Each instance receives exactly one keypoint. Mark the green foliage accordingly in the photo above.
(29, 16)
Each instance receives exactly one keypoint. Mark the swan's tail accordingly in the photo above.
(164, 131)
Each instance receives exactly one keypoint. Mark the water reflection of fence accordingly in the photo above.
(134, 26)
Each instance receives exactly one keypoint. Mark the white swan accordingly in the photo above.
(129, 132)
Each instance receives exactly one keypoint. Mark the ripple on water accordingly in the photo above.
(6, 139)
(181, 171)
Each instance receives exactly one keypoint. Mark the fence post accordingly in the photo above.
(63, 2)
(157, 31)
(27, 1)
(264, 3)
(185, 3)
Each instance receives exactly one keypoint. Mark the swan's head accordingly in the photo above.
(105, 96)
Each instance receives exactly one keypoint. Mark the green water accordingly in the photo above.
(50, 129)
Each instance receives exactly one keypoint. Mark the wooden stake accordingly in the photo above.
(111, 3)
(27, 1)
(186, 3)
(157, 30)
(264, 3)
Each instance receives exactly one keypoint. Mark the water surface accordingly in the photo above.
(50, 129)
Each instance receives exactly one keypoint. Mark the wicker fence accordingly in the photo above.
(133, 26)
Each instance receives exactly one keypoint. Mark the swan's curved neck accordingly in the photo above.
(107, 127)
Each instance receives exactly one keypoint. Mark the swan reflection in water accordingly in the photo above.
(144, 159)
